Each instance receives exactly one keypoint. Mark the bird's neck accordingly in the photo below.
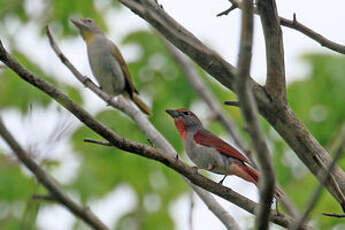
(88, 36)
(181, 128)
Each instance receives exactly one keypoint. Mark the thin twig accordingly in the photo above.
(232, 103)
(100, 142)
(46, 180)
(44, 197)
(333, 215)
(323, 41)
(132, 146)
(294, 24)
(313, 201)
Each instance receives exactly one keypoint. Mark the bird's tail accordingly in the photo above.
(254, 178)
(142, 106)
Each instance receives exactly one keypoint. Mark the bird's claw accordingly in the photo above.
(195, 170)
(277, 209)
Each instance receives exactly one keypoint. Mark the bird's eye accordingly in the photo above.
(185, 113)
(88, 20)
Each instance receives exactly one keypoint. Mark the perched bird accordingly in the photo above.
(107, 63)
(210, 152)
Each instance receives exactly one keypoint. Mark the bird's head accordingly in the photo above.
(88, 28)
(185, 117)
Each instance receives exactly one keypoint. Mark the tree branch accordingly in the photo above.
(44, 178)
(313, 201)
(280, 116)
(294, 24)
(275, 82)
(250, 113)
(132, 146)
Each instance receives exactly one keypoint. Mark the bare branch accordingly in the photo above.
(250, 114)
(334, 215)
(294, 24)
(313, 201)
(99, 142)
(132, 146)
(47, 181)
(44, 197)
(227, 11)
(280, 116)
(275, 82)
(232, 103)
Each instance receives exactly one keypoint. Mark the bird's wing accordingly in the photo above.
(129, 82)
(206, 138)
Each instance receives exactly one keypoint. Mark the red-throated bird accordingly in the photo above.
(107, 63)
(210, 152)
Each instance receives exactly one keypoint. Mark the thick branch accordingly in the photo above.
(44, 178)
(131, 146)
(275, 82)
(280, 116)
(250, 113)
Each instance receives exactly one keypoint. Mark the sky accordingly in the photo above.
(220, 33)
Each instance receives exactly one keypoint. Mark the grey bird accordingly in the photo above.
(107, 63)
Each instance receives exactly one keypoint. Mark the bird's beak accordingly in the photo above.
(172, 112)
(78, 22)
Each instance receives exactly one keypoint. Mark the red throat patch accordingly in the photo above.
(181, 128)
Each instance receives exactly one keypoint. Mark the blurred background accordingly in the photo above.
(127, 191)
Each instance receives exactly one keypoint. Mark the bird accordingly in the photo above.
(107, 64)
(209, 152)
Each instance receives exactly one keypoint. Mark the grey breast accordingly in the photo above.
(105, 67)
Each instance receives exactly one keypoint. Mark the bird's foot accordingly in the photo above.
(222, 180)
(195, 170)
(277, 209)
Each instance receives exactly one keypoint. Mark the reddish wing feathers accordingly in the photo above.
(205, 137)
